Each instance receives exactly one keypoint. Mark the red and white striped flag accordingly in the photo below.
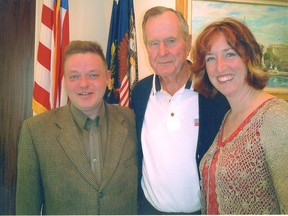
(49, 90)
(131, 77)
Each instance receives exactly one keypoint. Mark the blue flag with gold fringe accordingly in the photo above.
(121, 53)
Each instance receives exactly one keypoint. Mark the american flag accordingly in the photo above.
(49, 90)
(196, 122)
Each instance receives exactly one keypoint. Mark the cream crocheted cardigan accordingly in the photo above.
(256, 180)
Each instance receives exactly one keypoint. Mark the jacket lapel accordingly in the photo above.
(117, 134)
(69, 140)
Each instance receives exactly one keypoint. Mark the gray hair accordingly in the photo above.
(158, 10)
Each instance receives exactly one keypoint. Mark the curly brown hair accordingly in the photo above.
(241, 39)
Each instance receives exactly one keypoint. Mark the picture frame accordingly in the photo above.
(261, 18)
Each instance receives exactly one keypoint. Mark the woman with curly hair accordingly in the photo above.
(244, 171)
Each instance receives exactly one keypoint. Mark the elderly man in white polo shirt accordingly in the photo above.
(175, 125)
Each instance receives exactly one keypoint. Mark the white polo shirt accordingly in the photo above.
(169, 139)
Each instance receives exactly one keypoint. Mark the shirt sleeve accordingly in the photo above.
(275, 140)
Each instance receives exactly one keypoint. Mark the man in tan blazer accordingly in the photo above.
(80, 158)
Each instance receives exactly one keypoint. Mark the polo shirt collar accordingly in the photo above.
(156, 85)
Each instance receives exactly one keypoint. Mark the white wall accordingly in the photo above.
(90, 20)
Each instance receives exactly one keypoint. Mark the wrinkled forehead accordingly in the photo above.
(165, 23)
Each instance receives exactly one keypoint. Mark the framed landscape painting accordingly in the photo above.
(268, 20)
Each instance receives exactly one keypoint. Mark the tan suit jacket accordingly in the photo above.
(54, 173)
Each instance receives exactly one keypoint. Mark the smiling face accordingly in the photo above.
(86, 79)
(165, 44)
(226, 69)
